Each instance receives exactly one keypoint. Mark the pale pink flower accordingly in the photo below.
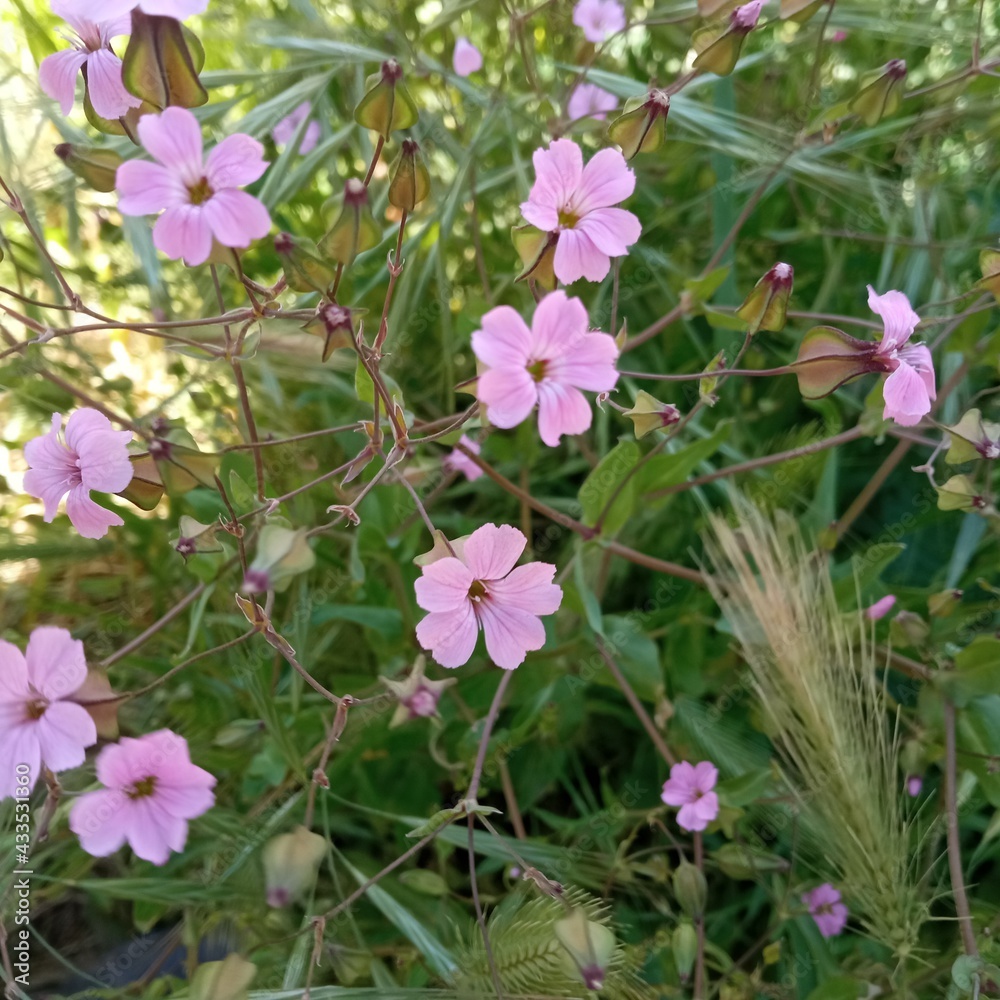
(838, 36)
(880, 608)
(910, 388)
(577, 203)
(201, 195)
(479, 588)
(178, 9)
(745, 18)
(455, 461)
(599, 19)
(39, 724)
(914, 785)
(466, 58)
(826, 909)
(547, 365)
(589, 101)
(151, 791)
(690, 787)
(286, 128)
(92, 457)
(91, 48)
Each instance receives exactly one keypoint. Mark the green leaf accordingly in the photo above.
(600, 486)
(744, 789)
(976, 673)
(671, 470)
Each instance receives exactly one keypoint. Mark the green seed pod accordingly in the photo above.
(766, 306)
(684, 944)
(97, 167)
(281, 554)
(409, 181)
(387, 105)
(641, 127)
(691, 889)
(355, 229)
(305, 270)
(649, 414)
(537, 251)
(881, 93)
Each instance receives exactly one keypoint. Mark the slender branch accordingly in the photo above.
(954, 847)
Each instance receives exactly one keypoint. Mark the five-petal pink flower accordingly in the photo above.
(92, 457)
(288, 125)
(690, 786)
(577, 203)
(90, 49)
(456, 461)
(546, 365)
(466, 59)
(151, 791)
(590, 101)
(910, 387)
(200, 195)
(599, 19)
(178, 9)
(479, 588)
(39, 724)
(826, 909)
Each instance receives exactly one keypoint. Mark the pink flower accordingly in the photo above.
(285, 129)
(548, 365)
(576, 202)
(909, 389)
(466, 58)
(479, 588)
(152, 790)
(838, 36)
(39, 724)
(93, 457)
(880, 608)
(589, 101)
(91, 48)
(178, 9)
(914, 785)
(745, 18)
(826, 909)
(200, 195)
(599, 19)
(457, 462)
(690, 787)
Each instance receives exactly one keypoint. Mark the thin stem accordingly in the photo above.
(375, 156)
(699, 968)
(954, 847)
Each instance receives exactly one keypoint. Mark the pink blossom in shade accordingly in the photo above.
(599, 19)
(880, 608)
(457, 462)
(481, 589)
(288, 125)
(200, 195)
(89, 456)
(826, 909)
(178, 9)
(151, 791)
(589, 101)
(547, 365)
(578, 202)
(838, 36)
(745, 18)
(690, 787)
(466, 59)
(90, 48)
(914, 785)
(910, 388)
(39, 725)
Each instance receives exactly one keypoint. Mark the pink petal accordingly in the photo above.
(186, 802)
(310, 139)
(689, 818)
(606, 180)
(898, 317)
(235, 162)
(114, 766)
(706, 807)
(706, 774)
(150, 832)
(102, 452)
(64, 731)
(558, 170)
(47, 451)
(13, 674)
(504, 339)
(174, 138)
(561, 410)
(918, 356)
(906, 398)
(466, 58)
(18, 744)
(590, 365)
(106, 10)
(57, 76)
(589, 100)
(183, 231)
(558, 324)
(880, 608)
(509, 395)
(89, 518)
(675, 794)
(50, 486)
(99, 820)
(491, 551)
(444, 585)
(145, 188)
(577, 257)
(450, 636)
(104, 83)
(179, 9)
(611, 230)
(528, 588)
(56, 662)
(543, 217)
(236, 218)
(510, 634)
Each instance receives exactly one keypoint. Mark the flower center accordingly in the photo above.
(200, 192)
(142, 789)
(538, 369)
(36, 708)
(568, 219)
(477, 591)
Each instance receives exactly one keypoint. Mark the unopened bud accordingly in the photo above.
(589, 947)
(959, 493)
(881, 93)
(719, 51)
(97, 167)
(908, 629)
(305, 270)
(641, 127)
(649, 414)
(281, 554)
(418, 696)
(972, 439)
(409, 181)
(690, 889)
(537, 250)
(943, 605)
(355, 230)
(291, 863)
(387, 104)
(334, 324)
(196, 537)
(766, 307)
(684, 944)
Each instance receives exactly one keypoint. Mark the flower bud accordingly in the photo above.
(305, 270)
(355, 229)
(589, 947)
(409, 182)
(180, 464)
(707, 384)
(881, 93)
(97, 167)
(291, 863)
(642, 125)
(649, 414)
(878, 610)
(225, 980)
(684, 944)
(193, 536)
(537, 251)
(417, 695)
(973, 438)
(828, 358)
(387, 105)
(959, 493)
(908, 629)
(281, 554)
(691, 889)
(334, 324)
(800, 10)
(766, 306)
(719, 51)
(943, 605)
